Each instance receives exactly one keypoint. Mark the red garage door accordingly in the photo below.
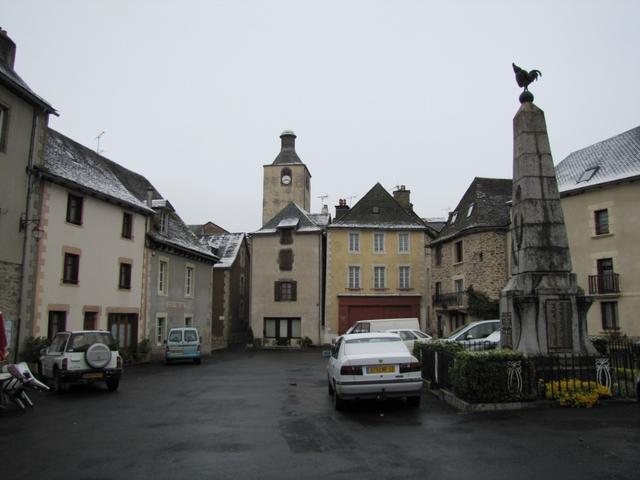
(352, 309)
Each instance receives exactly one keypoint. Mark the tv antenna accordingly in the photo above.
(323, 198)
(351, 198)
(98, 151)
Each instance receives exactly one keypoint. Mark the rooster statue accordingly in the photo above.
(524, 79)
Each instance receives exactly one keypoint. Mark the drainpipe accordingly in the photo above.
(25, 237)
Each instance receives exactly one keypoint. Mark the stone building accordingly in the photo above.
(23, 125)
(600, 195)
(231, 281)
(376, 261)
(287, 256)
(470, 252)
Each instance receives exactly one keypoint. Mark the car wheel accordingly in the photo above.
(112, 384)
(196, 361)
(98, 355)
(167, 361)
(414, 401)
(58, 385)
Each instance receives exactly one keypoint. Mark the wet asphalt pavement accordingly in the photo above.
(268, 415)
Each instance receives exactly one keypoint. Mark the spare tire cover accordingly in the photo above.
(98, 355)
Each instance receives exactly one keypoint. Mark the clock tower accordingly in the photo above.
(286, 180)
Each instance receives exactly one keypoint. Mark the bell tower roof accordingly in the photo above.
(288, 149)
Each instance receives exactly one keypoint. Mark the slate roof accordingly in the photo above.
(201, 229)
(437, 224)
(227, 245)
(13, 82)
(614, 159)
(390, 214)
(291, 212)
(68, 162)
(71, 164)
(483, 206)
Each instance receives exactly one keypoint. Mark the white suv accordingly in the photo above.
(83, 356)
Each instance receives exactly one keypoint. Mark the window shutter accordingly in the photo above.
(276, 294)
(294, 292)
(286, 260)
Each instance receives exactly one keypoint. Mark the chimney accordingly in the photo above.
(149, 197)
(402, 196)
(325, 210)
(341, 209)
(7, 50)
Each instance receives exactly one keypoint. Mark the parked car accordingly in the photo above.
(373, 365)
(410, 336)
(81, 356)
(474, 331)
(182, 343)
(383, 324)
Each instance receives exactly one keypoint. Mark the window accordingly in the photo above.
(354, 242)
(164, 222)
(57, 323)
(124, 281)
(71, 267)
(285, 260)
(127, 225)
(188, 282)
(379, 280)
(588, 174)
(438, 255)
(90, 321)
(404, 277)
(438, 289)
(242, 286)
(378, 242)
(74, 209)
(4, 127)
(124, 328)
(602, 221)
(470, 211)
(610, 315)
(454, 216)
(403, 242)
(286, 236)
(188, 321)
(282, 328)
(163, 279)
(354, 277)
(458, 286)
(160, 326)
(458, 251)
(285, 291)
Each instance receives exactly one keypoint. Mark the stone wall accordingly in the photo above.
(10, 293)
(484, 264)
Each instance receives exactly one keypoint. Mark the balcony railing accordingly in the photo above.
(605, 283)
(450, 299)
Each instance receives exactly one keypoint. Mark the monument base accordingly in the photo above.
(545, 313)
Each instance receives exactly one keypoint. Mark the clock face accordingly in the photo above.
(286, 179)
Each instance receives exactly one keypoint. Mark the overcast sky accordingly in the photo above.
(194, 94)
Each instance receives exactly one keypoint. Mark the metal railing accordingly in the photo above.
(604, 283)
(450, 299)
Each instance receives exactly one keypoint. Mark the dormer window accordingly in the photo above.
(588, 174)
(470, 211)
(164, 222)
(454, 216)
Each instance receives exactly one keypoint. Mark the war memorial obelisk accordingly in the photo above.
(542, 308)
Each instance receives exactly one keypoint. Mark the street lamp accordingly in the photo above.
(37, 232)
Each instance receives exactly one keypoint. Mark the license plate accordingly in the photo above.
(382, 369)
(93, 375)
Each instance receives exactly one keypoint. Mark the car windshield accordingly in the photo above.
(457, 331)
(190, 336)
(374, 340)
(420, 334)
(175, 336)
(79, 342)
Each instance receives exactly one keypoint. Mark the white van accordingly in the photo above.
(383, 324)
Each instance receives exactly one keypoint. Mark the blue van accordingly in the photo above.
(182, 344)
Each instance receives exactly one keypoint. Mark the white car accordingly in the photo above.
(410, 336)
(373, 365)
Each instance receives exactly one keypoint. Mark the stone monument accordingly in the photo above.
(542, 308)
